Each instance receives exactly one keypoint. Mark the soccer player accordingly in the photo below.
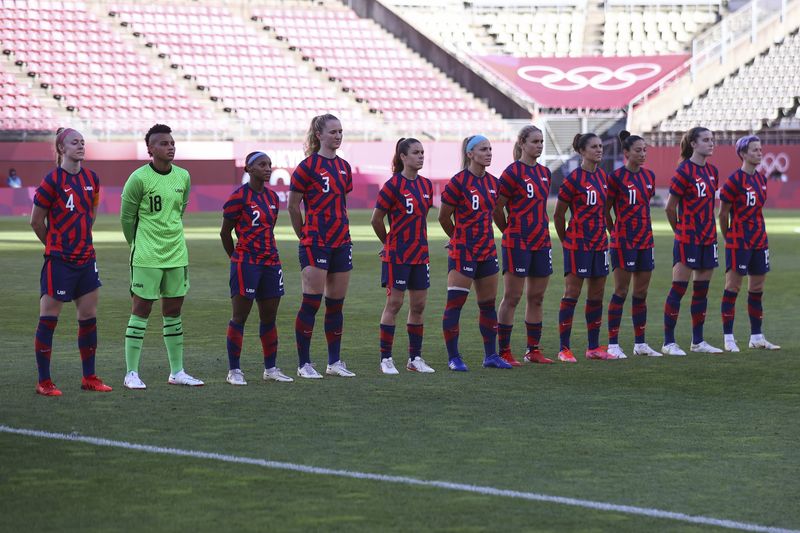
(153, 202)
(469, 198)
(322, 181)
(406, 198)
(630, 189)
(584, 193)
(527, 253)
(741, 223)
(256, 274)
(690, 211)
(64, 209)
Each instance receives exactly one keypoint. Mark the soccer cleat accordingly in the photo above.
(566, 356)
(600, 354)
(534, 355)
(387, 367)
(672, 349)
(132, 381)
(509, 358)
(704, 347)
(236, 377)
(94, 383)
(339, 369)
(47, 388)
(456, 364)
(616, 351)
(418, 364)
(495, 361)
(645, 349)
(275, 374)
(731, 346)
(182, 378)
(758, 341)
(308, 371)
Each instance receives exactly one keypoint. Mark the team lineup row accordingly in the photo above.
(155, 196)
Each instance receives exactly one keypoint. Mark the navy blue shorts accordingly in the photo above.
(474, 269)
(257, 282)
(695, 256)
(643, 260)
(413, 277)
(586, 264)
(66, 281)
(528, 263)
(755, 262)
(333, 260)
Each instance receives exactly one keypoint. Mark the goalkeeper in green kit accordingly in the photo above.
(153, 202)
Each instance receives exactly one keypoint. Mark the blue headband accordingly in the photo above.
(474, 142)
(255, 157)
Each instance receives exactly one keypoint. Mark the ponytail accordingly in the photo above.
(688, 138)
(580, 141)
(59, 142)
(317, 125)
(522, 136)
(464, 158)
(627, 140)
(402, 146)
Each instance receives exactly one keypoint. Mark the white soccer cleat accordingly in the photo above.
(645, 349)
(387, 366)
(418, 364)
(704, 347)
(275, 374)
(182, 378)
(132, 381)
(339, 369)
(308, 371)
(758, 341)
(616, 351)
(236, 377)
(672, 349)
(730, 344)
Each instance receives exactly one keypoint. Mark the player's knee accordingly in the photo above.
(622, 292)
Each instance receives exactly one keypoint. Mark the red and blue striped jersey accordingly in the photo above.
(585, 193)
(324, 184)
(70, 201)
(526, 188)
(407, 203)
(474, 199)
(255, 214)
(630, 196)
(747, 194)
(696, 187)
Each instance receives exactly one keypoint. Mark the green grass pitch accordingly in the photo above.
(708, 435)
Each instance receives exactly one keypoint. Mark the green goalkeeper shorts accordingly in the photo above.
(154, 283)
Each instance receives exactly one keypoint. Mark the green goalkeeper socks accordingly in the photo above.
(173, 339)
(134, 338)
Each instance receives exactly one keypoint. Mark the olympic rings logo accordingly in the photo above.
(596, 77)
(772, 163)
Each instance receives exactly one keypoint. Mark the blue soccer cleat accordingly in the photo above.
(456, 364)
(495, 361)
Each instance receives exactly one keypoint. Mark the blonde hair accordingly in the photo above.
(312, 144)
(61, 134)
(522, 136)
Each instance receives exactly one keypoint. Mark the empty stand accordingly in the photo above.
(19, 110)
(758, 93)
(409, 93)
(105, 80)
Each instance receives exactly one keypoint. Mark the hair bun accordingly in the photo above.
(624, 134)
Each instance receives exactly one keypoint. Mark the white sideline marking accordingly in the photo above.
(477, 489)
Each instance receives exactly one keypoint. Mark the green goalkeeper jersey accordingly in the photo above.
(152, 217)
